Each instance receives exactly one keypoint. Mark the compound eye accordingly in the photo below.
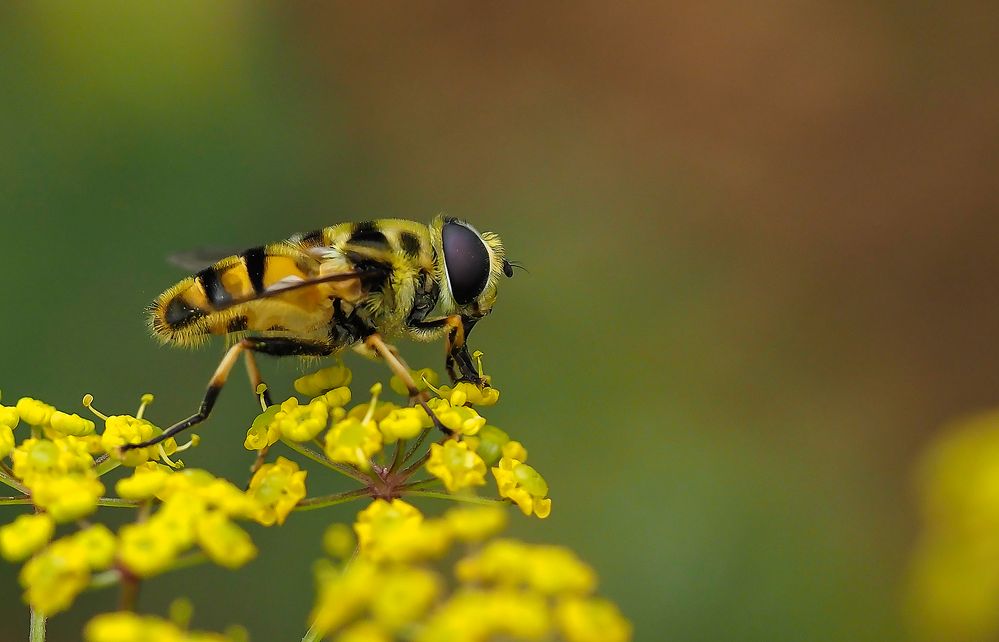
(467, 262)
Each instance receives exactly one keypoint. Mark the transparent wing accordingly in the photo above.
(199, 258)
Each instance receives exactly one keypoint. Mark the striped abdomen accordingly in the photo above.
(205, 303)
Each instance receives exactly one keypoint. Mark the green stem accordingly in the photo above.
(118, 503)
(106, 464)
(397, 460)
(104, 579)
(416, 446)
(319, 458)
(37, 631)
(412, 468)
(312, 503)
(468, 499)
(311, 635)
(419, 484)
(14, 501)
(189, 560)
(13, 483)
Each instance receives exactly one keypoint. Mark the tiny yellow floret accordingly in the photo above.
(456, 465)
(34, 412)
(592, 620)
(277, 488)
(25, 535)
(353, 441)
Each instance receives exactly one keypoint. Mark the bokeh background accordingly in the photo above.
(761, 240)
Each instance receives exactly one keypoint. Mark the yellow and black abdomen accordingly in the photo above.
(220, 299)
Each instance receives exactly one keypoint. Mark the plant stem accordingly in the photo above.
(104, 579)
(312, 503)
(37, 630)
(416, 446)
(9, 480)
(468, 499)
(419, 484)
(14, 501)
(129, 592)
(319, 458)
(412, 468)
(311, 635)
(397, 459)
(106, 464)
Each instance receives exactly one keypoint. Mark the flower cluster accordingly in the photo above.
(503, 589)
(954, 579)
(379, 582)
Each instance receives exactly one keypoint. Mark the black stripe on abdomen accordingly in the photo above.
(254, 259)
(179, 313)
(367, 234)
(215, 292)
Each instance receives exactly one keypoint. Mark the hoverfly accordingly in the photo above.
(351, 285)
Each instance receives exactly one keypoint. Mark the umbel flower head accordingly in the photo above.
(383, 579)
(506, 590)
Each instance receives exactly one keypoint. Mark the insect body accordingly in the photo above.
(348, 285)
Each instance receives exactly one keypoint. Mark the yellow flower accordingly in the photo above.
(456, 465)
(277, 487)
(420, 377)
(25, 535)
(263, 432)
(71, 424)
(318, 382)
(468, 393)
(9, 416)
(177, 517)
(53, 578)
(146, 549)
(460, 419)
(476, 523)
(6, 440)
(343, 595)
(34, 457)
(353, 441)
(488, 443)
(364, 631)
(404, 423)
(396, 531)
(339, 541)
(225, 543)
(521, 614)
(34, 412)
(302, 423)
(404, 595)
(97, 546)
(549, 570)
(123, 626)
(147, 480)
(592, 620)
(129, 627)
(66, 498)
(521, 483)
(124, 429)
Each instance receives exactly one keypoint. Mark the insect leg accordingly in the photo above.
(458, 328)
(401, 370)
(255, 379)
(276, 346)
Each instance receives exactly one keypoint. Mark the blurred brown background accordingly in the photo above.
(761, 242)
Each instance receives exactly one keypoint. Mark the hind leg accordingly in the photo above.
(275, 346)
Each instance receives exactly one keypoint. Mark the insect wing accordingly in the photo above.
(199, 258)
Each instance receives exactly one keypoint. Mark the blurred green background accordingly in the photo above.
(761, 240)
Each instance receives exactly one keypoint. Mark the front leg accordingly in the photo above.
(458, 328)
(459, 364)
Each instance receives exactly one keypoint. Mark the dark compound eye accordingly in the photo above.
(467, 262)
